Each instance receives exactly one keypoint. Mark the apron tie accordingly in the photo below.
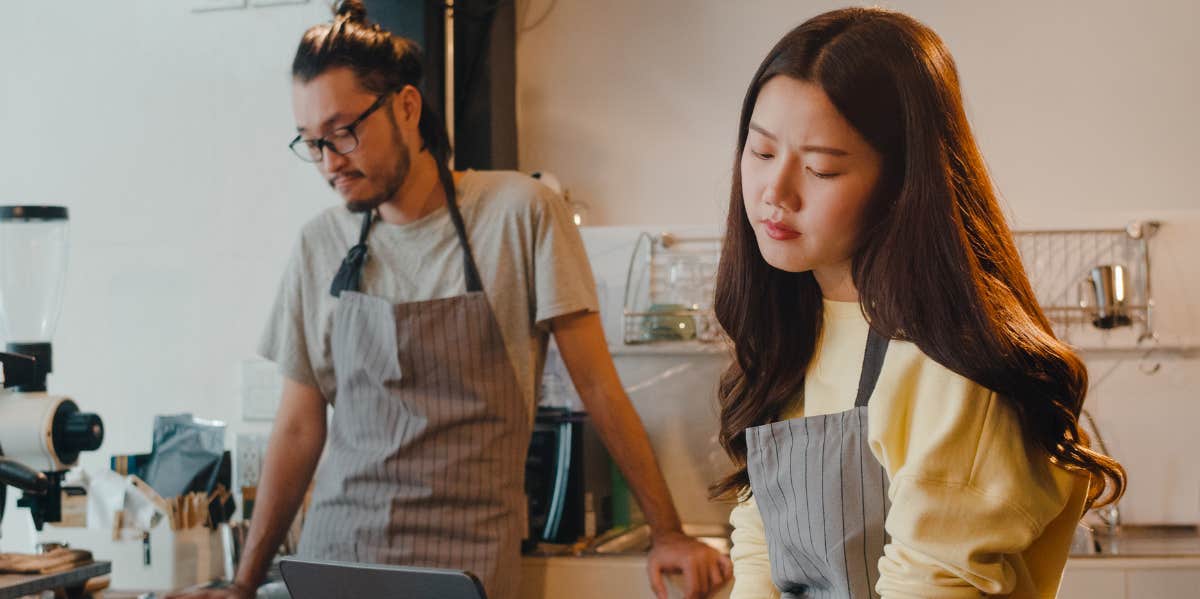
(349, 274)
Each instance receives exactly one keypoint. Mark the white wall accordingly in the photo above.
(1077, 105)
(164, 132)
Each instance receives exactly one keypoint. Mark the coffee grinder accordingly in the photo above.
(41, 435)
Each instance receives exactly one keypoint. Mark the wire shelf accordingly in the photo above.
(671, 280)
(1058, 264)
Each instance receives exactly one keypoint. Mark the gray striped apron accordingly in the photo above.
(424, 463)
(823, 496)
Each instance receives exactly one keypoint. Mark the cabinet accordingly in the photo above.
(1131, 578)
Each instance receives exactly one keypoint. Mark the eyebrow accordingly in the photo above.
(816, 149)
(325, 123)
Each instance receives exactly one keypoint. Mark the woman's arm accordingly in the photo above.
(971, 499)
(751, 566)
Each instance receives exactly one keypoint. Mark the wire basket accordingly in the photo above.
(669, 289)
(1059, 263)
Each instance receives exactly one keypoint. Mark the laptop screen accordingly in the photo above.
(316, 579)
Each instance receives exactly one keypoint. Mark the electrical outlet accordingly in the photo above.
(251, 448)
(262, 386)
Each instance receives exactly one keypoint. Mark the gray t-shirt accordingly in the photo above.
(529, 253)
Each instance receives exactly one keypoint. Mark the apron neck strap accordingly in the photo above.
(872, 363)
(470, 270)
(349, 274)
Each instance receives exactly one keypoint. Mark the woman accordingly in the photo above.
(900, 415)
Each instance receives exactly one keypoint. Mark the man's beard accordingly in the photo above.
(391, 186)
(360, 206)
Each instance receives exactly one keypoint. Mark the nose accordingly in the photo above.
(782, 189)
(332, 162)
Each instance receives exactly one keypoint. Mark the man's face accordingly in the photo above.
(373, 172)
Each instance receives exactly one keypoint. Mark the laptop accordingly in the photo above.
(317, 579)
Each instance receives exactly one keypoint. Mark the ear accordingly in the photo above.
(408, 107)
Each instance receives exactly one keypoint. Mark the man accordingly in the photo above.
(420, 311)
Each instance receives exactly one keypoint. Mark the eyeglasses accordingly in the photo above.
(342, 141)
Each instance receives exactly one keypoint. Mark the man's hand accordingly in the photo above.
(292, 454)
(703, 569)
(233, 591)
(580, 339)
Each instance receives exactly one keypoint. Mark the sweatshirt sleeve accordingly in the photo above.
(751, 568)
(969, 494)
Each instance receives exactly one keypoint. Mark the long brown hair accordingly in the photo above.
(936, 264)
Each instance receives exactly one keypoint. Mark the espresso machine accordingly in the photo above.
(41, 434)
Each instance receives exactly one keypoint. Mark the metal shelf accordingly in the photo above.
(671, 279)
(1058, 260)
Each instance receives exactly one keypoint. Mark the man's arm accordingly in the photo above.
(292, 454)
(580, 339)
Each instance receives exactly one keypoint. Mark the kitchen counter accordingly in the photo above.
(1144, 541)
(594, 576)
(1138, 561)
(624, 576)
(614, 566)
(671, 348)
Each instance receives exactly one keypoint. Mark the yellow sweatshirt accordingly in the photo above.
(975, 510)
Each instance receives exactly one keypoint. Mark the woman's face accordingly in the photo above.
(807, 176)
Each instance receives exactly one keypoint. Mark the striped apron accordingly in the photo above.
(823, 496)
(424, 463)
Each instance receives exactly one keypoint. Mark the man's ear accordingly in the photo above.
(408, 106)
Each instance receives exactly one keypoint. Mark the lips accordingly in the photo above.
(343, 182)
(778, 231)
